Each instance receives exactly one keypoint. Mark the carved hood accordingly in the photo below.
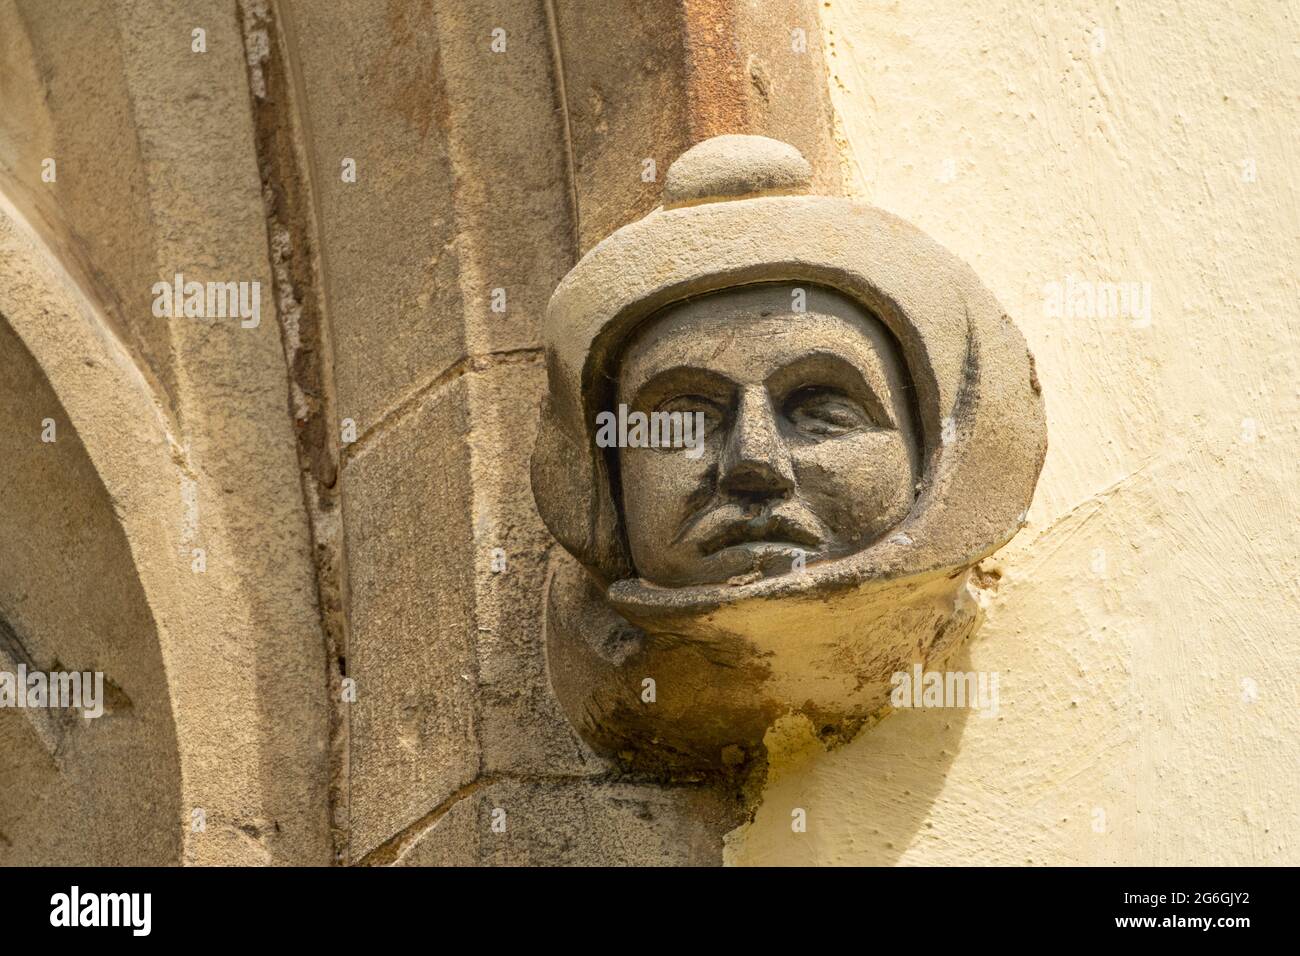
(736, 214)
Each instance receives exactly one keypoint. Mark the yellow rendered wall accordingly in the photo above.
(1146, 628)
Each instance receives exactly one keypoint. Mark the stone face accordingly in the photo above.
(797, 439)
(223, 145)
(822, 539)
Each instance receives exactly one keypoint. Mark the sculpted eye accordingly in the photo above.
(689, 404)
(685, 421)
(821, 411)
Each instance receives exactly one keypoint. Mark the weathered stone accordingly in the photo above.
(413, 725)
(406, 182)
(731, 167)
(374, 92)
(875, 428)
(576, 823)
(521, 727)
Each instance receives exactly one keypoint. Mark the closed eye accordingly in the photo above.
(688, 406)
(826, 412)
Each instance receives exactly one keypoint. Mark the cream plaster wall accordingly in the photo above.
(1146, 628)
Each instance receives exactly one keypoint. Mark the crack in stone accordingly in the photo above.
(481, 362)
(397, 846)
(304, 332)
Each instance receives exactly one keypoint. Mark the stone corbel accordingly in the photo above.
(873, 429)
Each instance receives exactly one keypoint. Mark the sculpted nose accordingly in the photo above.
(756, 462)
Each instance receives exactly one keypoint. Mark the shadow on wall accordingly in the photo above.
(866, 803)
(75, 791)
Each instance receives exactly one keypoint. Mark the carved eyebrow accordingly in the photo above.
(692, 377)
(831, 369)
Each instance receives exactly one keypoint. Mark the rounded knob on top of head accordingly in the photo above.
(735, 167)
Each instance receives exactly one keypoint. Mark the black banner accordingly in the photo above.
(441, 906)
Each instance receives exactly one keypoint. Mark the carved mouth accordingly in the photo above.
(772, 529)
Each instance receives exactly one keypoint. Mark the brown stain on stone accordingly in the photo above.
(411, 93)
(715, 77)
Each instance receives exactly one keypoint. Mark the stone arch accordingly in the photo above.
(96, 574)
(78, 791)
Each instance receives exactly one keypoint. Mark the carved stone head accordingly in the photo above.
(872, 428)
(810, 449)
